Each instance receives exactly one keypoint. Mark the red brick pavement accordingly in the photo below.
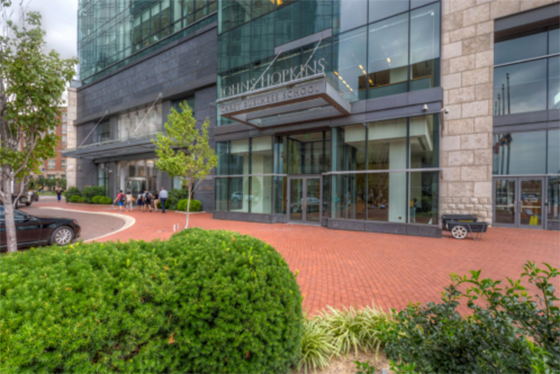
(343, 268)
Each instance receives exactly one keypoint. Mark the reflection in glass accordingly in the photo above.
(239, 157)
(423, 198)
(520, 48)
(239, 194)
(261, 155)
(348, 15)
(554, 83)
(288, 23)
(520, 153)
(240, 12)
(280, 192)
(221, 194)
(554, 41)
(553, 200)
(424, 138)
(388, 57)
(531, 202)
(261, 195)
(296, 200)
(316, 16)
(307, 153)
(239, 46)
(351, 151)
(387, 145)
(349, 59)
(348, 200)
(386, 197)
(223, 158)
(553, 152)
(520, 88)
(261, 7)
(313, 200)
(505, 201)
(262, 41)
(424, 47)
(379, 9)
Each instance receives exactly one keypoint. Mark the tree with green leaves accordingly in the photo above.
(32, 83)
(184, 151)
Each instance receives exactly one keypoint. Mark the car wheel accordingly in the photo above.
(62, 235)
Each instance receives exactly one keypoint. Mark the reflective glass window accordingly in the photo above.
(240, 12)
(288, 23)
(261, 195)
(239, 194)
(423, 142)
(554, 83)
(223, 46)
(222, 194)
(388, 57)
(520, 153)
(223, 158)
(349, 199)
(387, 145)
(554, 152)
(554, 41)
(224, 19)
(553, 200)
(423, 198)
(349, 14)
(520, 48)
(260, 7)
(239, 157)
(424, 47)
(520, 88)
(352, 149)
(262, 41)
(239, 46)
(316, 16)
(261, 155)
(386, 197)
(349, 59)
(280, 194)
(379, 9)
(306, 153)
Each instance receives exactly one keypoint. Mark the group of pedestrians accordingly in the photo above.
(145, 201)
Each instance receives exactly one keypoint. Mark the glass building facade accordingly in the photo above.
(113, 33)
(377, 48)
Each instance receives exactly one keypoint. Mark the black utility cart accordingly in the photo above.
(461, 225)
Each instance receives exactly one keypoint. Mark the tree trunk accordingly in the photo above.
(9, 215)
(188, 207)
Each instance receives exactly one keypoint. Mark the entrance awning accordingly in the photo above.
(307, 99)
(112, 148)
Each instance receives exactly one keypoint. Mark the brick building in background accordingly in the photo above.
(56, 167)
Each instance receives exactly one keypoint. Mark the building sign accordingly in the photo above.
(274, 98)
(272, 79)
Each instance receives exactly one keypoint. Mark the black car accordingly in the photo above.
(34, 231)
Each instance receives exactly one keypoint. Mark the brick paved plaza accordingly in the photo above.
(354, 268)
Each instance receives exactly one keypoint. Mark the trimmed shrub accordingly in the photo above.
(195, 206)
(90, 192)
(202, 302)
(95, 199)
(175, 196)
(72, 191)
(166, 204)
(105, 200)
(76, 199)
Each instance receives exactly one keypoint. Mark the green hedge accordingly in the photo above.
(95, 199)
(105, 200)
(202, 302)
(76, 199)
(90, 192)
(195, 206)
(72, 191)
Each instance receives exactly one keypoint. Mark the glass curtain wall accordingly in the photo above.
(521, 86)
(381, 171)
(387, 50)
(138, 123)
(112, 30)
(135, 176)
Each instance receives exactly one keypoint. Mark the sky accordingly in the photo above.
(60, 23)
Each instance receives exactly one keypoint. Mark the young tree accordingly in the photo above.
(183, 151)
(31, 87)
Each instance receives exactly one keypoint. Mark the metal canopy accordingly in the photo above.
(112, 148)
(306, 99)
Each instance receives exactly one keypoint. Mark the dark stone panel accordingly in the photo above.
(386, 228)
(346, 225)
(553, 225)
(526, 21)
(426, 231)
(249, 217)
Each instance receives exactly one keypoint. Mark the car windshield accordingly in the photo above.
(17, 214)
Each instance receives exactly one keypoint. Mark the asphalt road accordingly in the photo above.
(93, 225)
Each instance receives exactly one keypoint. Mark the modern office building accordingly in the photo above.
(370, 115)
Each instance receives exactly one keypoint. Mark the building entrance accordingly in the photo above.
(305, 200)
(519, 202)
(136, 186)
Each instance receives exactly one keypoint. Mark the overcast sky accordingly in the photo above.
(60, 23)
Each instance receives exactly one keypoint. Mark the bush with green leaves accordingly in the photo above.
(96, 199)
(76, 199)
(90, 192)
(493, 338)
(166, 204)
(105, 200)
(176, 195)
(201, 302)
(195, 206)
(72, 191)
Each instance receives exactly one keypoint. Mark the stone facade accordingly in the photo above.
(467, 80)
(71, 163)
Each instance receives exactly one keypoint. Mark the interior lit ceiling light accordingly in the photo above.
(389, 60)
(343, 81)
(371, 82)
(339, 77)
(361, 67)
(335, 73)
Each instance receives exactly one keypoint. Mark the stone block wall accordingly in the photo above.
(71, 163)
(467, 80)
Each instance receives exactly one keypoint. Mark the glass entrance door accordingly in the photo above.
(135, 186)
(305, 200)
(519, 202)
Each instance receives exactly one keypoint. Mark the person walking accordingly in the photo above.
(162, 197)
(121, 198)
(156, 200)
(147, 200)
(129, 200)
(140, 202)
(58, 194)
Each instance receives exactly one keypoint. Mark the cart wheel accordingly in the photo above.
(459, 232)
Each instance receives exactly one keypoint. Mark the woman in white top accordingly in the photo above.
(129, 199)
